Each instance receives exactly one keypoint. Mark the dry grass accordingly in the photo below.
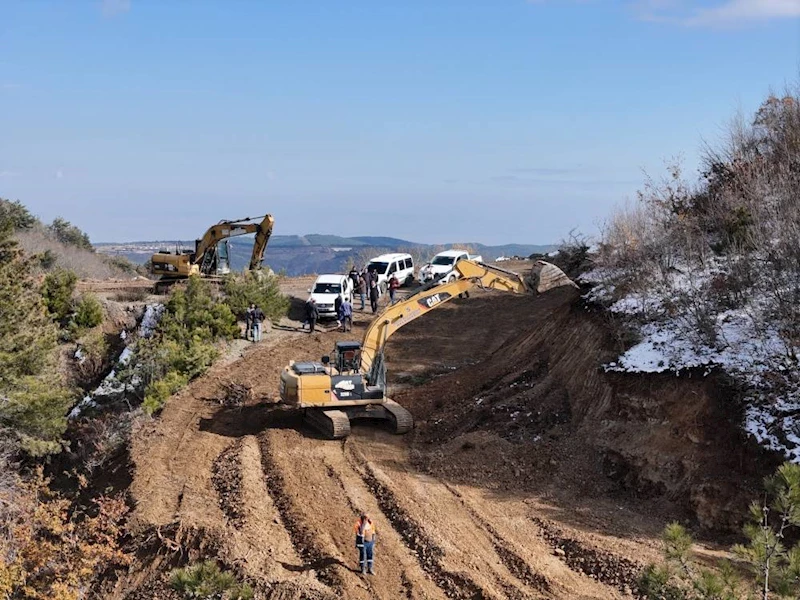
(87, 265)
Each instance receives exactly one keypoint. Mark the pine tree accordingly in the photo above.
(33, 402)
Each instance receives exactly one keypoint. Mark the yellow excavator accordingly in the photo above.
(211, 256)
(353, 384)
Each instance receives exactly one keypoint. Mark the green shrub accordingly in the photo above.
(207, 581)
(95, 351)
(57, 291)
(159, 391)
(88, 313)
(47, 259)
(243, 289)
(35, 410)
(183, 346)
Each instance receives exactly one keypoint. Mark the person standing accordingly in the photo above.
(366, 535)
(248, 321)
(337, 305)
(354, 276)
(393, 285)
(346, 315)
(312, 314)
(258, 318)
(373, 295)
(361, 288)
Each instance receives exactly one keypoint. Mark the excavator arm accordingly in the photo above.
(262, 237)
(228, 229)
(473, 275)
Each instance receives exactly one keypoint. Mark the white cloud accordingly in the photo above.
(59, 174)
(727, 13)
(11, 86)
(739, 11)
(8, 174)
(111, 8)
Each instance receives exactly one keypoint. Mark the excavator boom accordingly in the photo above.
(263, 234)
(473, 274)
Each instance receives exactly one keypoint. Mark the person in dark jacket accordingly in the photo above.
(373, 295)
(312, 314)
(337, 305)
(248, 321)
(257, 318)
(354, 276)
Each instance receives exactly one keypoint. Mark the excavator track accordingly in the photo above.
(402, 420)
(333, 424)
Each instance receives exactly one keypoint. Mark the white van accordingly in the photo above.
(398, 264)
(327, 288)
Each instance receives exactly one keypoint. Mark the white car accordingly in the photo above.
(442, 267)
(400, 265)
(326, 289)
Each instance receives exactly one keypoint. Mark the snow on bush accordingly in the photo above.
(707, 275)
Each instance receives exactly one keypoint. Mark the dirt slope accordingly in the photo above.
(520, 481)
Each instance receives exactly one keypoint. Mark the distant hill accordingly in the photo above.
(317, 253)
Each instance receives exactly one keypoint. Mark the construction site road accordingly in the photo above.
(249, 484)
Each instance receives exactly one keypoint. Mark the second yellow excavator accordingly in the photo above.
(211, 256)
(353, 384)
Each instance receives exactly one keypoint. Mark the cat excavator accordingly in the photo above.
(352, 384)
(211, 256)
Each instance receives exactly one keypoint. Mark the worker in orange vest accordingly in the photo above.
(366, 533)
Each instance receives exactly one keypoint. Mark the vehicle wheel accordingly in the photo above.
(409, 280)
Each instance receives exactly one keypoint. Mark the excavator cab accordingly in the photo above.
(347, 356)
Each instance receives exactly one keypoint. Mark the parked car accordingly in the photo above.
(442, 266)
(400, 265)
(325, 290)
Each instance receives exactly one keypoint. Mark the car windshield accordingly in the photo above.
(380, 267)
(327, 288)
(443, 260)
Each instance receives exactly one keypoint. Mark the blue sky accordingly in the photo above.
(494, 121)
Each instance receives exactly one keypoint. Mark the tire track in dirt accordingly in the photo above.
(616, 571)
(517, 565)
(429, 555)
(303, 539)
(226, 475)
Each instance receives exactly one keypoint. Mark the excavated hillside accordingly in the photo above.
(531, 473)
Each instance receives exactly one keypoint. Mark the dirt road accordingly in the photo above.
(464, 509)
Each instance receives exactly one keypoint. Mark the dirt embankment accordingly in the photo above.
(539, 413)
(531, 473)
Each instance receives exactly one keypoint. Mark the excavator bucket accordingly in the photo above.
(546, 276)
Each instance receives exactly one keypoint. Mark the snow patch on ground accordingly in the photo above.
(111, 387)
(745, 342)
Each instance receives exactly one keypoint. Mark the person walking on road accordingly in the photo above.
(258, 317)
(366, 534)
(393, 285)
(374, 292)
(312, 314)
(346, 315)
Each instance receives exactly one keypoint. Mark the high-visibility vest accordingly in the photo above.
(368, 531)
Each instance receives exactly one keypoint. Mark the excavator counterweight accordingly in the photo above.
(353, 384)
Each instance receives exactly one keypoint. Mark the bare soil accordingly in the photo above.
(530, 474)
